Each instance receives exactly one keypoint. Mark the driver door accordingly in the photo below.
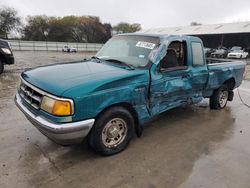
(171, 85)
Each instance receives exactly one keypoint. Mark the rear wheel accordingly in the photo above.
(112, 131)
(1, 67)
(219, 98)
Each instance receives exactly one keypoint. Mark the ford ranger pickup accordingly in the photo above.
(133, 78)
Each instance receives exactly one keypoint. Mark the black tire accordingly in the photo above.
(112, 117)
(1, 67)
(219, 98)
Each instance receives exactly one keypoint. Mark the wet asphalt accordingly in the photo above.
(187, 147)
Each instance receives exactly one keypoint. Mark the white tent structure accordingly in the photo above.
(213, 35)
(227, 28)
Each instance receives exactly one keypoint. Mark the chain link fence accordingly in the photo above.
(21, 45)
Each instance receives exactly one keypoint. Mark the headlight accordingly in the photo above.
(6, 50)
(56, 106)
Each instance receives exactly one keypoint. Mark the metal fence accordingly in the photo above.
(52, 46)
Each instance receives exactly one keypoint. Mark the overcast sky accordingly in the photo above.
(149, 13)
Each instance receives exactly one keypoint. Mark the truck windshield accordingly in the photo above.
(132, 49)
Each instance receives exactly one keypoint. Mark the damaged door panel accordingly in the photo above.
(172, 84)
(169, 90)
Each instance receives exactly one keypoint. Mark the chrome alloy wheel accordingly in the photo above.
(223, 97)
(114, 132)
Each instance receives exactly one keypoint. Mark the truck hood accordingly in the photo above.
(88, 76)
(4, 44)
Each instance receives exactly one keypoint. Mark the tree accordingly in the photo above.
(126, 27)
(108, 29)
(92, 30)
(62, 29)
(9, 20)
(67, 29)
(37, 28)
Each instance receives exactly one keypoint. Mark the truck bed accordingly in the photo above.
(222, 71)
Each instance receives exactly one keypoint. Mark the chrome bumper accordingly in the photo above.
(61, 133)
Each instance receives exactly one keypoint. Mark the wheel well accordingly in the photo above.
(230, 83)
(128, 107)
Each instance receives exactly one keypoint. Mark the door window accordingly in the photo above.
(175, 57)
(197, 52)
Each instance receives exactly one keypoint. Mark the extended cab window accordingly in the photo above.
(175, 57)
(197, 53)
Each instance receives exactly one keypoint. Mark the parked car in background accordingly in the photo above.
(208, 51)
(6, 55)
(69, 49)
(132, 79)
(220, 52)
(235, 48)
(238, 53)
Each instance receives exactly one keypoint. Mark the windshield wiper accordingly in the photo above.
(98, 60)
(121, 63)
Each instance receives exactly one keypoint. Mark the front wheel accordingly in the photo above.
(112, 131)
(219, 98)
(1, 67)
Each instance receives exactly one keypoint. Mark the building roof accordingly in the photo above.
(227, 28)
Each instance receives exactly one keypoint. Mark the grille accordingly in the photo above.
(30, 95)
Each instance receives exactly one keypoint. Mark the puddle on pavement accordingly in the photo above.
(178, 137)
(9, 84)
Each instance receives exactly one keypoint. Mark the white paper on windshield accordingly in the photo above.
(147, 45)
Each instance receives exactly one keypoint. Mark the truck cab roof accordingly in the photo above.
(164, 36)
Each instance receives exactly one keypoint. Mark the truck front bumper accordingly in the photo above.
(9, 59)
(61, 133)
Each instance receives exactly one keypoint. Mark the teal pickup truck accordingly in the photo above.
(133, 78)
